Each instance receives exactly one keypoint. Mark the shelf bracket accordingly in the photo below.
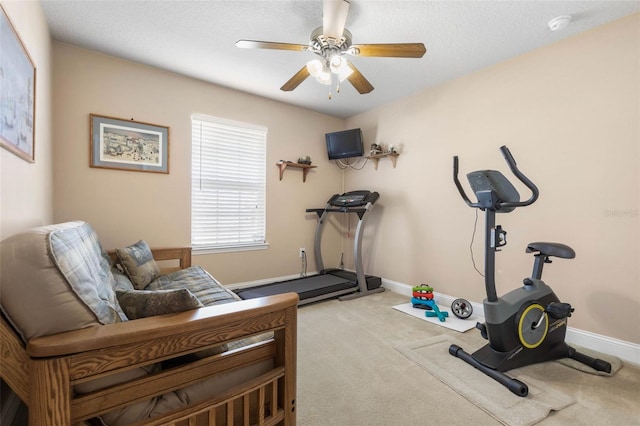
(305, 168)
(393, 156)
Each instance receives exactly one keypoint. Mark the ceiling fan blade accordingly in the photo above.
(295, 81)
(256, 44)
(391, 50)
(334, 18)
(358, 81)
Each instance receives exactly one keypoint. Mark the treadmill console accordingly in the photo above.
(353, 199)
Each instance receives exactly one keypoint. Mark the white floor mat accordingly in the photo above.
(451, 322)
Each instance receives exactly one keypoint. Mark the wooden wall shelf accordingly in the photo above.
(375, 158)
(305, 168)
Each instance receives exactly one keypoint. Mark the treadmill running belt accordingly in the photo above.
(308, 287)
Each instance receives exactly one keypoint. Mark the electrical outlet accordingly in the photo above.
(302, 252)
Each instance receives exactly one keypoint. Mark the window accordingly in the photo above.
(227, 184)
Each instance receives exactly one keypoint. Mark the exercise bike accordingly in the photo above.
(527, 325)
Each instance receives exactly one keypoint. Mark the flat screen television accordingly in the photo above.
(345, 144)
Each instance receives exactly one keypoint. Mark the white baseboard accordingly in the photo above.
(626, 351)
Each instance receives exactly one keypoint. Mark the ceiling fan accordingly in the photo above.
(331, 42)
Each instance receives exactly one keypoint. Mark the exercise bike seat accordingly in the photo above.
(551, 249)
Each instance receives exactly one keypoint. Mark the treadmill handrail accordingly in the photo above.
(346, 209)
(316, 211)
(359, 210)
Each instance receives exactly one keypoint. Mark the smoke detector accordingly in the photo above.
(559, 23)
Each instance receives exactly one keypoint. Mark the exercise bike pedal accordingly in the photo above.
(483, 330)
(559, 310)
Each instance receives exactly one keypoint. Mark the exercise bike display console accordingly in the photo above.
(527, 325)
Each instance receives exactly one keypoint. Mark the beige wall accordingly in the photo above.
(570, 114)
(125, 206)
(26, 191)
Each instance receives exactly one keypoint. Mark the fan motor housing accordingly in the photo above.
(319, 43)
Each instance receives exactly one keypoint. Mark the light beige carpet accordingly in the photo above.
(350, 374)
(433, 355)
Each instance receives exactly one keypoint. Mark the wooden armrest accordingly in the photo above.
(182, 254)
(14, 360)
(213, 321)
(52, 366)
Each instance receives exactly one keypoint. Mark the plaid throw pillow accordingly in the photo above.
(139, 264)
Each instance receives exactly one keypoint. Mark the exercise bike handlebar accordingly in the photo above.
(525, 180)
(514, 169)
(459, 186)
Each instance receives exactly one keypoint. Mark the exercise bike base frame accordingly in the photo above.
(514, 385)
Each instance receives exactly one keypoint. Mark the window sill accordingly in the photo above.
(196, 251)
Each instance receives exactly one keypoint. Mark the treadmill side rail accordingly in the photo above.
(330, 283)
(333, 206)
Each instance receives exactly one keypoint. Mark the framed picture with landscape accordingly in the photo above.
(17, 93)
(122, 144)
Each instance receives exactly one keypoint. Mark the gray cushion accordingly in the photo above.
(137, 261)
(143, 303)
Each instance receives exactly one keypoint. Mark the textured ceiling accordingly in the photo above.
(197, 39)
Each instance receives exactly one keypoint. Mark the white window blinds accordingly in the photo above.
(228, 184)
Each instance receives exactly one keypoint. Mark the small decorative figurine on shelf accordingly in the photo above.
(304, 160)
(375, 149)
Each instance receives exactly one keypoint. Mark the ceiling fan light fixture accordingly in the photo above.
(315, 67)
(340, 67)
(344, 73)
(336, 62)
(324, 78)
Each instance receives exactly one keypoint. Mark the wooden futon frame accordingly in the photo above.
(43, 373)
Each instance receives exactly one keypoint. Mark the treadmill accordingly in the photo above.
(330, 283)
